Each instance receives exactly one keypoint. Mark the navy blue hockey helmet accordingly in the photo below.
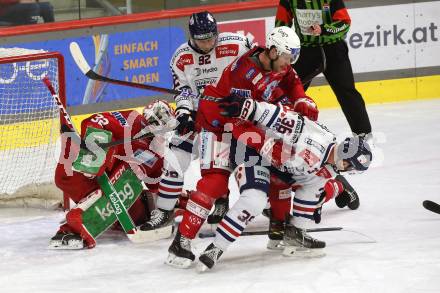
(202, 26)
(356, 152)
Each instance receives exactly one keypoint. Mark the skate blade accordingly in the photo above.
(149, 236)
(72, 245)
(303, 252)
(275, 245)
(178, 262)
(201, 267)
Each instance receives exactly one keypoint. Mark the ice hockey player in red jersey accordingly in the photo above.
(195, 64)
(263, 74)
(92, 214)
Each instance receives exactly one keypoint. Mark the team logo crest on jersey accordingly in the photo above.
(269, 89)
(235, 64)
(262, 83)
(257, 78)
(226, 50)
(250, 73)
(241, 93)
(309, 157)
(185, 59)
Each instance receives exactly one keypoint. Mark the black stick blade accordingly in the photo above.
(431, 206)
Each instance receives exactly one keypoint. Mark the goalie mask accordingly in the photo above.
(353, 155)
(159, 114)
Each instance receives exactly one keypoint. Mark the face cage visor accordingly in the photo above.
(294, 55)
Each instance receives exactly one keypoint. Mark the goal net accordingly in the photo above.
(29, 127)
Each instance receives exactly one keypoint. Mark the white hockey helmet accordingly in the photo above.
(159, 113)
(285, 40)
(355, 152)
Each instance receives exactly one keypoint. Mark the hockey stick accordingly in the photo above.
(431, 206)
(85, 68)
(119, 209)
(64, 128)
(144, 133)
(209, 234)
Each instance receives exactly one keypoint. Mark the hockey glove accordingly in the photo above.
(235, 106)
(306, 107)
(185, 122)
(331, 188)
(184, 107)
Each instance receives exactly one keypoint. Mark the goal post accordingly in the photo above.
(29, 127)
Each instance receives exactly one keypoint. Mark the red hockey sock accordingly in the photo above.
(279, 208)
(280, 195)
(197, 210)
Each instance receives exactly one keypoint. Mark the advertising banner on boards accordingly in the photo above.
(140, 56)
(381, 38)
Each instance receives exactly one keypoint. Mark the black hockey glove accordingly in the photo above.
(185, 121)
(318, 210)
(235, 106)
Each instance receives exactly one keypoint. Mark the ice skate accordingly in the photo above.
(66, 240)
(180, 255)
(160, 225)
(209, 258)
(276, 234)
(299, 243)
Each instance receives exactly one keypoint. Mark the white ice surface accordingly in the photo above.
(399, 251)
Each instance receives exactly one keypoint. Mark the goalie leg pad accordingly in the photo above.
(75, 221)
(94, 215)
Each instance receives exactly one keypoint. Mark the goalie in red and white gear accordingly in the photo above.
(143, 156)
(195, 64)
